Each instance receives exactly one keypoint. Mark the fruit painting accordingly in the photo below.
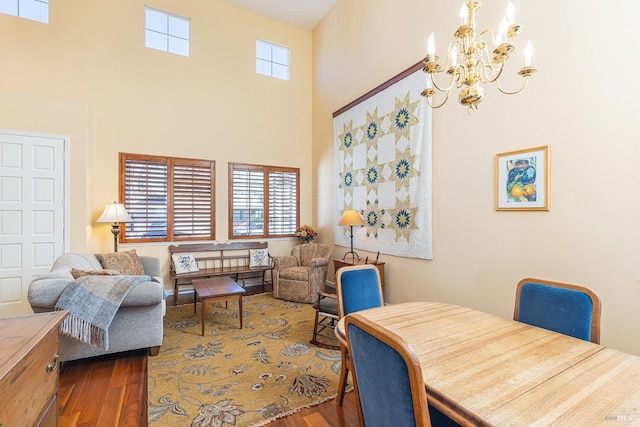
(522, 179)
(521, 184)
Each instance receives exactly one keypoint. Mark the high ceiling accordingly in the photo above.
(302, 13)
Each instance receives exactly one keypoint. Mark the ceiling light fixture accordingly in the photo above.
(470, 62)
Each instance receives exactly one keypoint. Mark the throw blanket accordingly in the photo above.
(92, 302)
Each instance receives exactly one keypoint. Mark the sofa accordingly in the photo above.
(300, 276)
(137, 323)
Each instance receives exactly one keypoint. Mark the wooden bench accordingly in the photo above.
(218, 259)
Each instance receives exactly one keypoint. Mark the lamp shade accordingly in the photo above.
(114, 212)
(351, 217)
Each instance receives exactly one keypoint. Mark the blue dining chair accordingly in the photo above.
(560, 307)
(358, 287)
(389, 376)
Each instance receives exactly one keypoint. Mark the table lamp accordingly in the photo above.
(350, 218)
(115, 213)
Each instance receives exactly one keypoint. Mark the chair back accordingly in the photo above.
(560, 307)
(304, 253)
(358, 287)
(388, 374)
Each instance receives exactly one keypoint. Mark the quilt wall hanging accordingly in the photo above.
(382, 146)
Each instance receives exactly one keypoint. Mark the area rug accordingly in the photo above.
(239, 377)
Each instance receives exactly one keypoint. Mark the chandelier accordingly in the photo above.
(470, 61)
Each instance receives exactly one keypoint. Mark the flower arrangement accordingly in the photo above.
(306, 233)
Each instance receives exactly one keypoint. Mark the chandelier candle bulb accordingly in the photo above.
(528, 50)
(511, 13)
(502, 32)
(431, 46)
(464, 17)
(454, 57)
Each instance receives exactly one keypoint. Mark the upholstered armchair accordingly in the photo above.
(300, 276)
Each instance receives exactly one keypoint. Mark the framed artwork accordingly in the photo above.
(522, 180)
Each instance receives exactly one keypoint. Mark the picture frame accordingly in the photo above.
(522, 180)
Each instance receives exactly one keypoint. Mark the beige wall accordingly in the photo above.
(582, 103)
(88, 75)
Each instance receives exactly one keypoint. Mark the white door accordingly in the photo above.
(32, 215)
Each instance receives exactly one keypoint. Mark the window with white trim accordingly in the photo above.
(168, 198)
(35, 10)
(263, 201)
(167, 32)
(272, 60)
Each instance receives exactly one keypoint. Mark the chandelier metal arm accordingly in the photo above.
(506, 92)
(446, 98)
(452, 82)
(491, 36)
(495, 73)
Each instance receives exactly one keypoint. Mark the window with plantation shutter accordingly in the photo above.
(264, 201)
(168, 198)
(145, 198)
(193, 199)
(283, 202)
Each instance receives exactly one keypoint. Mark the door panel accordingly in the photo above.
(32, 189)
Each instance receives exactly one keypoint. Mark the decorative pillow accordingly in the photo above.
(184, 263)
(125, 262)
(81, 273)
(259, 257)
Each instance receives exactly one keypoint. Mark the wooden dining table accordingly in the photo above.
(482, 369)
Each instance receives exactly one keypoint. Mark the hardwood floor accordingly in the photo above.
(112, 391)
(104, 391)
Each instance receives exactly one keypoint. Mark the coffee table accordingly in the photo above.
(216, 289)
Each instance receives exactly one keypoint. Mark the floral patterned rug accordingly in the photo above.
(239, 377)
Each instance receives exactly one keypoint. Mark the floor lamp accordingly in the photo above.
(115, 213)
(349, 219)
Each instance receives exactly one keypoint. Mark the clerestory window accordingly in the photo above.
(272, 60)
(167, 32)
(35, 10)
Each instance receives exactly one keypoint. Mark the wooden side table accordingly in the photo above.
(339, 263)
(216, 289)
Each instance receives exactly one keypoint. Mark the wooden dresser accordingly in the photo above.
(29, 369)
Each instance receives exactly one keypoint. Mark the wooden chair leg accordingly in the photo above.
(344, 372)
(153, 351)
(357, 396)
(315, 327)
(342, 385)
